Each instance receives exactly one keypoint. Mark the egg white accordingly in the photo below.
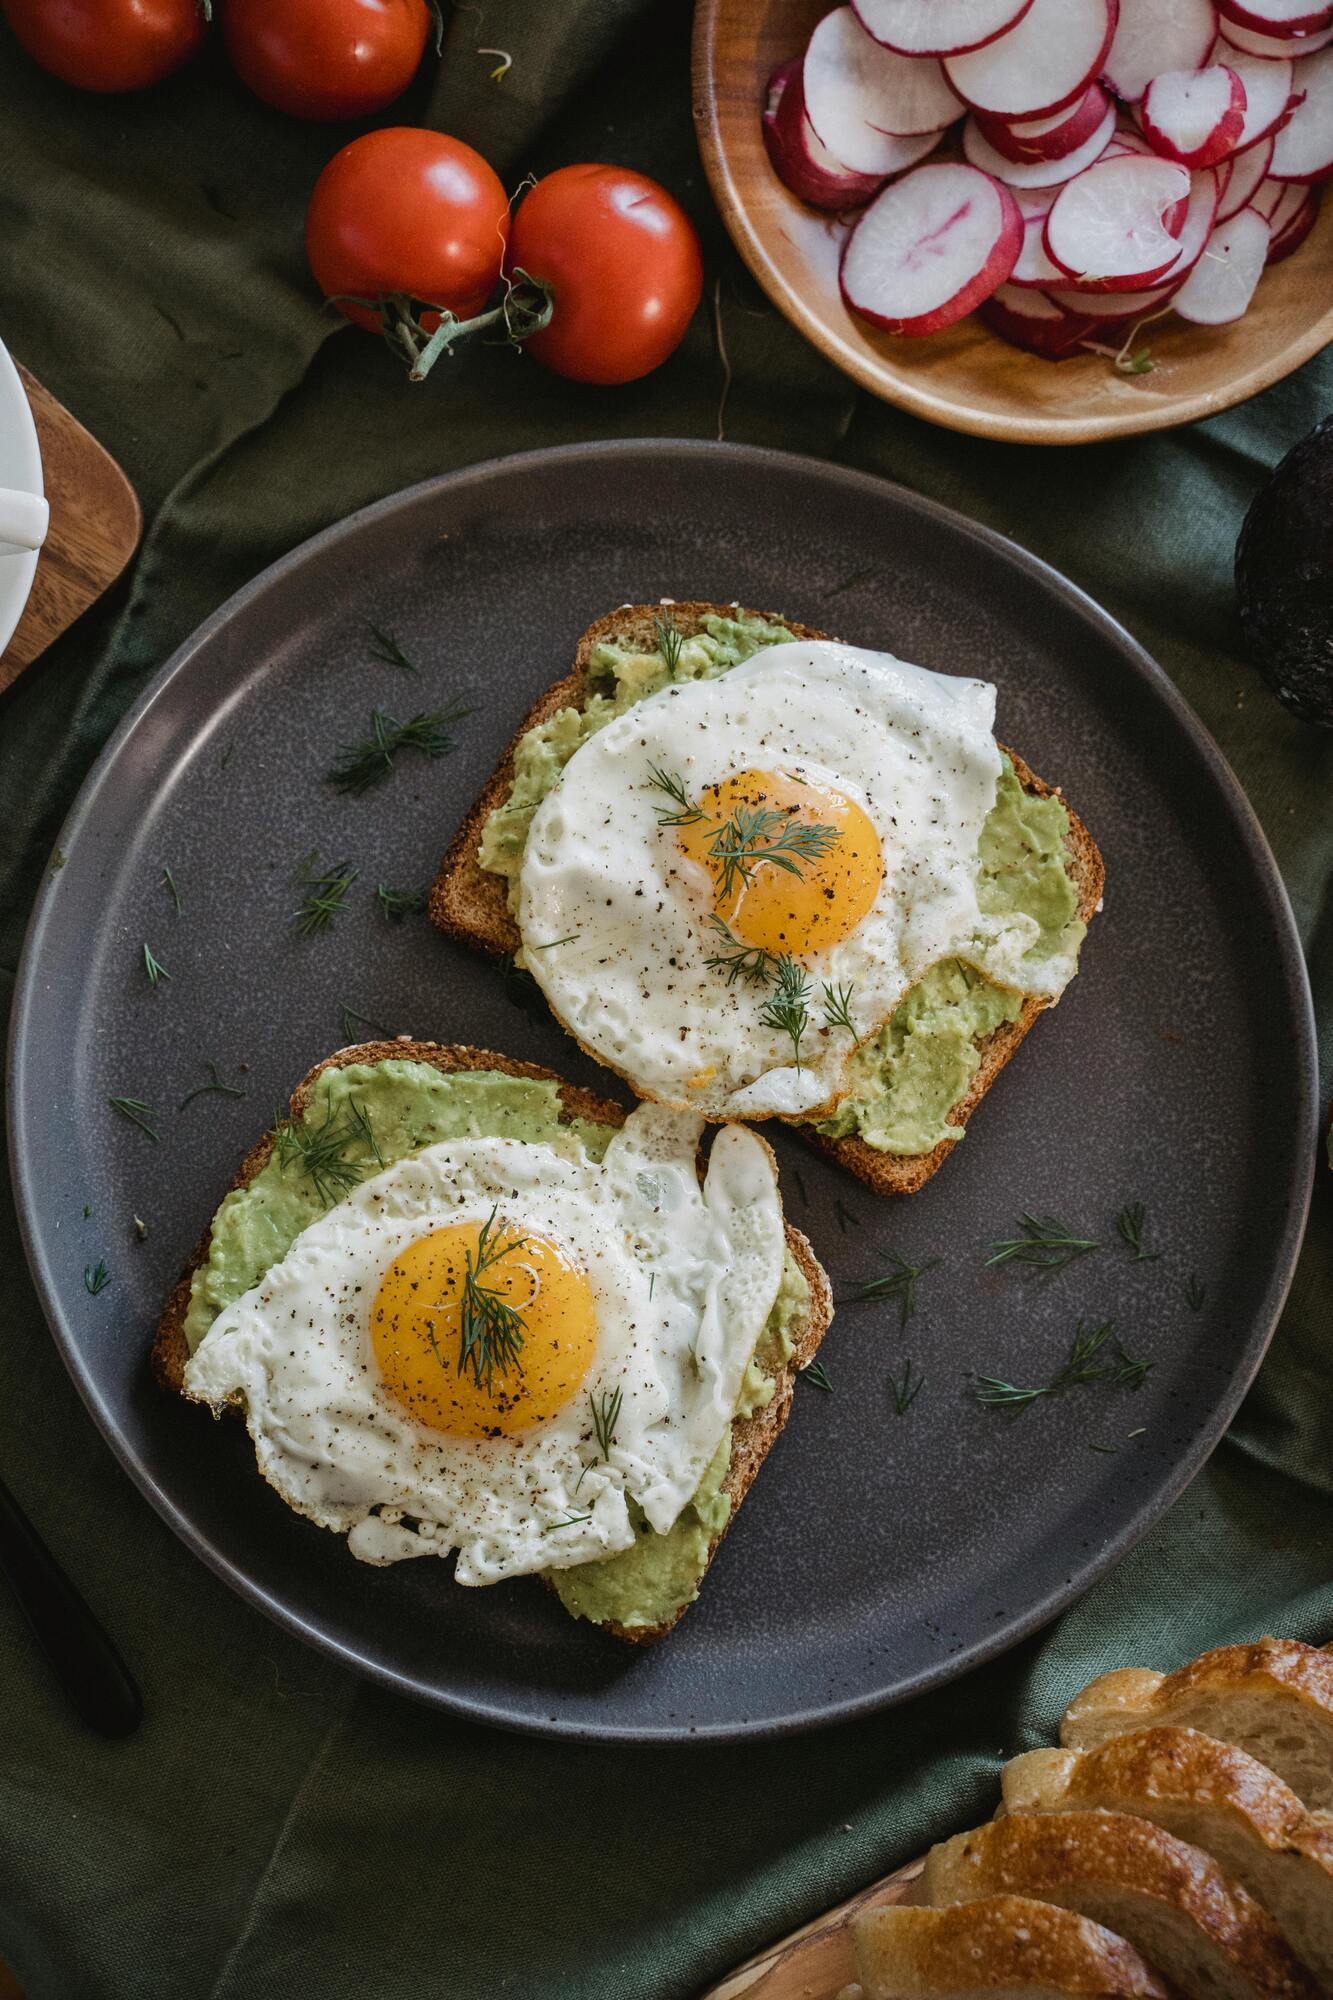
(683, 1278)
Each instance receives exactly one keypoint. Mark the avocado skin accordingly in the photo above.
(1284, 578)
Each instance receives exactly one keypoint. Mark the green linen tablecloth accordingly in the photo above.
(276, 1827)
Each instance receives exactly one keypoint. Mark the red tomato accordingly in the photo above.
(326, 58)
(107, 44)
(411, 212)
(623, 260)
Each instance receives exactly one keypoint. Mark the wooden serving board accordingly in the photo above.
(814, 1963)
(96, 522)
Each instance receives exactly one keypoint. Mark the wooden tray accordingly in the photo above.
(96, 522)
(814, 1963)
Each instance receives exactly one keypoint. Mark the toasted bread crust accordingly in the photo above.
(753, 1437)
(1002, 1943)
(468, 902)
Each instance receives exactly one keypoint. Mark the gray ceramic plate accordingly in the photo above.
(878, 1554)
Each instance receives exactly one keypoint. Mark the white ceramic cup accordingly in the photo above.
(23, 518)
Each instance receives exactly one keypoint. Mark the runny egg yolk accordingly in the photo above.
(459, 1365)
(777, 887)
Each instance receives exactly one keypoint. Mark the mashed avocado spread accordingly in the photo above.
(911, 1075)
(403, 1106)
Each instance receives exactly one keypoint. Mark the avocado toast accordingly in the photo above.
(918, 1079)
(410, 1094)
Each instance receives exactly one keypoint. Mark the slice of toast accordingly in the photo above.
(753, 1437)
(996, 1945)
(1273, 1699)
(1217, 1798)
(469, 903)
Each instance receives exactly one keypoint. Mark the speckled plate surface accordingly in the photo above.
(877, 1554)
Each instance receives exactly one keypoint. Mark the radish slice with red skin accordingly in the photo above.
(1114, 308)
(1034, 269)
(930, 248)
(1194, 116)
(1032, 321)
(1036, 173)
(1050, 138)
(799, 157)
(1278, 17)
(1298, 228)
(1153, 35)
(1200, 217)
(1303, 149)
(1275, 46)
(853, 88)
(1267, 196)
(1249, 170)
(1219, 288)
(1109, 228)
(1045, 62)
(1295, 193)
(1267, 81)
(938, 27)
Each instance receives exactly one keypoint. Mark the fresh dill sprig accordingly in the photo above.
(358, 766)
(905, 1392)
(680, 812)
(1041, 1241)
(845, 1215)
(95, 1278)
(1129, 1224)
(756, 834)
(137, 1112)
(669, 641)
(387, 651)
(326, 893)
(570, 1521)
(349, 1020)
(787, 1009)
(1129, 1374)
(215, 1084)
(605, 1416)
(490, 1330)
(1090, 1361)
(899, 1282)
(815, 1374)
(1195, 1293)
(395, 904)
(838, 1007)
(153, 966)
(319, 1151)
(551, 943)
(169, 881)
(740, 961)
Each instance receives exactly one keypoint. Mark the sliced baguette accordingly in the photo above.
(753, 1437)
(1011, 1945)
(1273, 1699)
(468, 902)
(1172, 1902)
(1215, 1797)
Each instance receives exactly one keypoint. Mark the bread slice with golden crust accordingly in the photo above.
(752, 1437)
(1273, 1698)
(1171, 1901)
(469, 903)
(1013, 1946)
(1217, 1798)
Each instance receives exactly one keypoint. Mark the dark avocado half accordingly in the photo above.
(1284, 578)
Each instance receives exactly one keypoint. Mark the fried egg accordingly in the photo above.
(737, 881)
(389, 1401)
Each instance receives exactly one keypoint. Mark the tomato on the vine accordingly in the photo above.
(408, 215)
(326, 58)
(108, 45)
(623, 261)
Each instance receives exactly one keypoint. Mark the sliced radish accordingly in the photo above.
(1253, 44)
(853, 88)
(1113, 308)
(1109, 228)
(930, 248)
(1249, 170)
(1036, 173)
(1303, 149)
(799, 158)
(1050, 138)
(938, 27)
(1034, 268)
(1032, 321)
(1278, 17)
(1195, 116)
(1221, 285)
(1267, 81)
(1267, 196)
(1047, 60)
(1286, 210)
(1294, 232)
(1128, 139)
(1153, 35)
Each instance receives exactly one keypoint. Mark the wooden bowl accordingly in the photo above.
(969, 379)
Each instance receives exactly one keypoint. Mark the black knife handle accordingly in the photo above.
(84, 1661)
